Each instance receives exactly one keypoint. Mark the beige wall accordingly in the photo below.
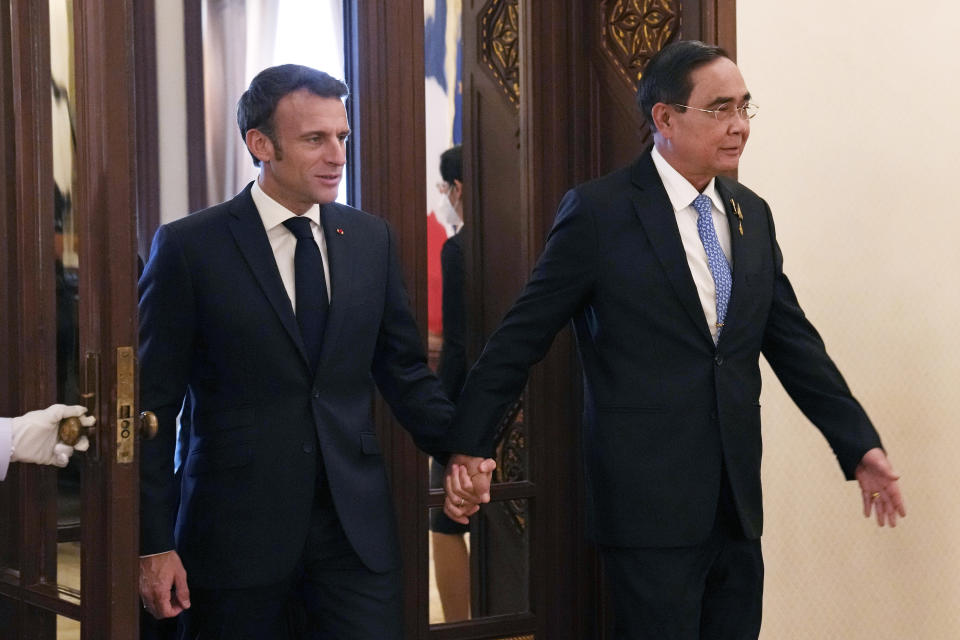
(171, 111)
(856, 150)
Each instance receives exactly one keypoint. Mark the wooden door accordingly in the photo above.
(68, 538)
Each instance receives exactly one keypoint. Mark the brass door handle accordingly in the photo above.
(71, 429)
(148, 425)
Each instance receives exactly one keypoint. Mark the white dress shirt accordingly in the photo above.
(682, 194)
(284, 243)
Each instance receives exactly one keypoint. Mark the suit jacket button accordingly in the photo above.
(718, 359)
(307, 447)
(316, 394)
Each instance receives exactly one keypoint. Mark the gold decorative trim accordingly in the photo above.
(500, 45)
(634, 31)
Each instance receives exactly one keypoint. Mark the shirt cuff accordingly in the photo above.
(6, 446)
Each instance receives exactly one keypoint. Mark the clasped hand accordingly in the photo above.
(467, 485)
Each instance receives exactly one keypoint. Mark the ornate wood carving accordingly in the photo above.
(500, 45)
(512, 461)
(634, 30)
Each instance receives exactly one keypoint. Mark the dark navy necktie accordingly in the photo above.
(311, 288)
(716, 260)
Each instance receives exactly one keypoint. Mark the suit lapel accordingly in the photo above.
(341, 243)
(251, 238)
(736, 248)
(652, 206)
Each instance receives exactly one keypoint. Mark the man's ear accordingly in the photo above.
(663, 116)
(260, 145)
(455, 194)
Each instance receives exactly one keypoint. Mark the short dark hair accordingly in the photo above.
(451, 164)
(667, 76)
(257, 104)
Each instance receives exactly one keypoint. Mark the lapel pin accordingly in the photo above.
(736, 210)
(340, 231)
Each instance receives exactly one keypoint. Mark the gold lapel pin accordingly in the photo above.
(736, 210)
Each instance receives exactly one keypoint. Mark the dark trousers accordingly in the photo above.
(710, 591)
(153, 629)
(330, 596)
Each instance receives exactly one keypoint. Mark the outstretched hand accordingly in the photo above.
(879, 488)
(467, 485)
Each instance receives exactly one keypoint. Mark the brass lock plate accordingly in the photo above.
(126, 364)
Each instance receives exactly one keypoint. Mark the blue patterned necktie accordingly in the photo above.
(310, 286)
(717, 261)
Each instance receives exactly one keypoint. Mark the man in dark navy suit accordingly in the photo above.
(275, 315)
(674, 281)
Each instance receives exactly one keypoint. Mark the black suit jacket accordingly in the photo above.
(452, 369)
(216, 324)
(665, 410)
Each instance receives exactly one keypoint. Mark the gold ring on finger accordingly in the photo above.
(874, 495)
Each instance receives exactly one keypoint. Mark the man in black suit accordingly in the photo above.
(674, 281)
(275, 314)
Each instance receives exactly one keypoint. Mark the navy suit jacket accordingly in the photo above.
(665, 410)
(217, 326)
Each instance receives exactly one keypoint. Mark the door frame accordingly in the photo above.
(105, 204)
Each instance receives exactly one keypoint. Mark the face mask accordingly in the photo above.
(447, 215)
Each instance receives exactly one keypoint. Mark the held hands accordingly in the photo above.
(35, 435)
(879, 488)
(467, 484)
(163, 585)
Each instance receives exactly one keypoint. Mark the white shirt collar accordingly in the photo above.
(679, 190)
(273, 213)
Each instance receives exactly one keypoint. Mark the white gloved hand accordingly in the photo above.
(35, 435)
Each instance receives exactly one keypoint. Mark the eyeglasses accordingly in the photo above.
(725, 112)
(443, 187)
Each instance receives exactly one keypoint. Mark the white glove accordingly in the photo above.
(35, 435)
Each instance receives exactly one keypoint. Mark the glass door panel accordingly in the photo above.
(485, 571)
(67, 526)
